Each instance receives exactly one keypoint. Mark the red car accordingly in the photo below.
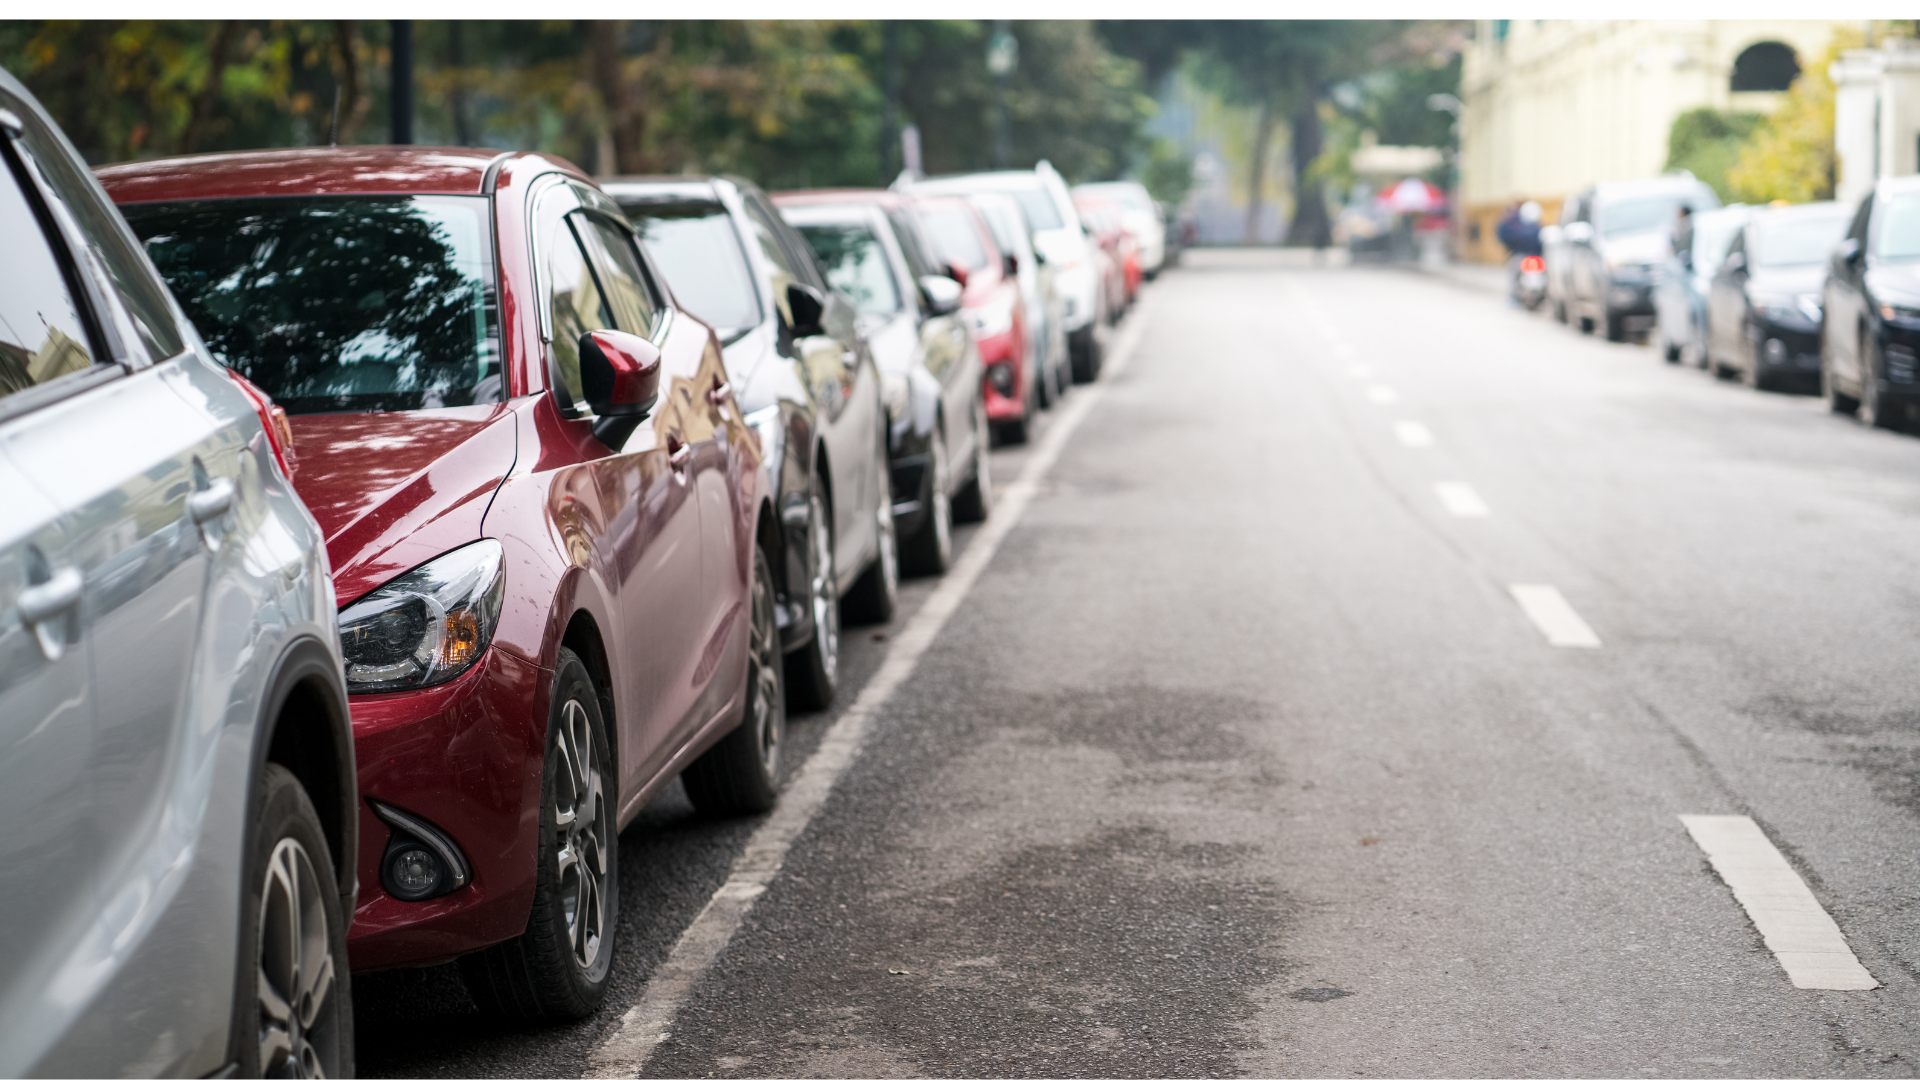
(546, 521)
(993, 307)
(1122, 263)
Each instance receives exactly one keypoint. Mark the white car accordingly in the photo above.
(1140, 217)
(1046, 341)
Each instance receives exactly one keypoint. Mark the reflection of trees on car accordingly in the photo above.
(336, 304)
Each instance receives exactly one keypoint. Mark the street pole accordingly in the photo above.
(1003, 55)
(402, 80)
(890, 125)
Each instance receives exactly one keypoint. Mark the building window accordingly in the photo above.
(1766, 66)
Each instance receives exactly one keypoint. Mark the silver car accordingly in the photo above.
(1046, 337)
(176, 766)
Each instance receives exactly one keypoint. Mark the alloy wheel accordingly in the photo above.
(826, 607)
(764, 679)
(295, 981)
(580, 825)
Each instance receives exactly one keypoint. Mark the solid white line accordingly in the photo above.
(1382, 395)
(1413, 433)
(1555, 617)
(1460, 499)
(1800, 933)
(624, 1050)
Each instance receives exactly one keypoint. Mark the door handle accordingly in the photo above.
(211, 501)
(721, 391)
(678, 453)
(51, 598)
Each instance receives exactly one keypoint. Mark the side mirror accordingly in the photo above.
(1577, 232)
(809, 308)
(957, 273)
(1039, 257)
(1849, 252)
(1010, 265)
(1735, 262)
(620, 378)
(941, 293)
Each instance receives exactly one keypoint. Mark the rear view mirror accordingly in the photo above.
(941, 293)
(1849, 251)
(808, 309)
(620, 378)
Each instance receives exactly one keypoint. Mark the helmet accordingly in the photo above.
(1530, 213)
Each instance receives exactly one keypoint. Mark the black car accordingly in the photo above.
(1763, 307)
(1612, 237)
(1871, 339)
(805, 379)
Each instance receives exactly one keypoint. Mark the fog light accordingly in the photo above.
(413, 873)
(1001, 376)
(1775, 351)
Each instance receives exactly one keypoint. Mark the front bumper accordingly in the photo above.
(1004, 375)
(466, 757)
(1630, 298)
(1783, 349)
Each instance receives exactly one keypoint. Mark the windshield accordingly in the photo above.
(855, 265)
(338, 303)
(1002, 229)
(1645, 213)
(699, 253)
(955, 234)
(1039, 208)
(1712, 235)
(1897, 230)
(1797, 239)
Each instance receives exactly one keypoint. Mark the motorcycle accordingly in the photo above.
(1529, 273)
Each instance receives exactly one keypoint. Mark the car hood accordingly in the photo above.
(392, 490)
(1777, 280)
(1894, 282)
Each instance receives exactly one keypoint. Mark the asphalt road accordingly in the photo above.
(1241, 756)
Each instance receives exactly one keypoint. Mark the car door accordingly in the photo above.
(1845, 300)
(633, 505)
(943, 348)
(1726, 303)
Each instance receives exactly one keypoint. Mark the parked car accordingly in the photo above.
(1141, 217)
(1682, 282)
(177, 871)
(1608, 245)
(874, 249)
(1060, 240)
(994, 309)
(805, 378)
(546, 520)
(1120, 261)
(1763, 307)
(1871, 337)
(1046, 341)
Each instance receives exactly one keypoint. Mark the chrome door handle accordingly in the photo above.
(211, 501)
(678, 453)
(53, 597)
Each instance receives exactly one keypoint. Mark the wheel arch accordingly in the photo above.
(307, 729)
(583, 637)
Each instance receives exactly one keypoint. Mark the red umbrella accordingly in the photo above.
(1413, 196)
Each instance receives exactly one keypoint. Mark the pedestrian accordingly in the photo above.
(1683, 236)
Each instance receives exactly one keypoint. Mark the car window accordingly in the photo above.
(1038, 205)
(698, 250)
(617, 265)
(1897, 230)
(919, 262)
(953, 232)
(575, 300)
(786, 270)
(338, 303)
(1857, 229)
(42, 335)
(856, 265)
(1711, 235)
(1797, 240)
(112, 247)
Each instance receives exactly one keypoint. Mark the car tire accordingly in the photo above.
(874, 596)
(1669, 351)
(1560, 312)
(1615, 326)
(558, 968)
(974, 500)
(294, 1004)
(1043, 392)
(1084, 348)
(813, 670)
(1586, 325)
(930, 549)
(740, 774)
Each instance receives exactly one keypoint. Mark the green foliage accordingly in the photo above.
(1167, 172)
(1706, 142)
(1790, 155)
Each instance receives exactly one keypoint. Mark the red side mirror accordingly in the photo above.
(620, 378)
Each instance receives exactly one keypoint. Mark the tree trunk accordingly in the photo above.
(626, 115)
(457, 60)
(200, 124)
(354, 102)
(1257, 169)
(1310, 227)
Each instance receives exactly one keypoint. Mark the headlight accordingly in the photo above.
(894, 394)
(993, 319)
(1899, 311)
(425, 626)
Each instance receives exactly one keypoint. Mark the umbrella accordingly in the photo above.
(1413, 196)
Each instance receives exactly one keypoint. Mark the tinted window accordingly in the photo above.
(146, 305)
(856, 265)
(341, 303)
(42, 336)
(621, 278)
(1798, 239)
(696, 247)
(953, 232)
(1897, 230)
(578, 305)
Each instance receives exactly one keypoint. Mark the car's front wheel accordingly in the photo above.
(558, 968)
(930, 549)
(974, 500)
(740, 774)
(813, 670)
(296, 1016)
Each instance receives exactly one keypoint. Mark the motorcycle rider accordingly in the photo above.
(1519, 231)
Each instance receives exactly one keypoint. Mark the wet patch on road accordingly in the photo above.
(1880, 740)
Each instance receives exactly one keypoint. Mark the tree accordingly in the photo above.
(1790, 155)
(1706, 142)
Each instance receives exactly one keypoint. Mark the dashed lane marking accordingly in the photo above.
(1798, 931)
(1460, 499)
(631, 1040)
(1382, 395)
(1413, 433)
(1556, 618)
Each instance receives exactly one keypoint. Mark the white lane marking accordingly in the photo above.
(1382, 395)
(624, 1050)
(1556, 618)
(1413, 433)
(1460, 499)
(1800, 933)
(1359, 371)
